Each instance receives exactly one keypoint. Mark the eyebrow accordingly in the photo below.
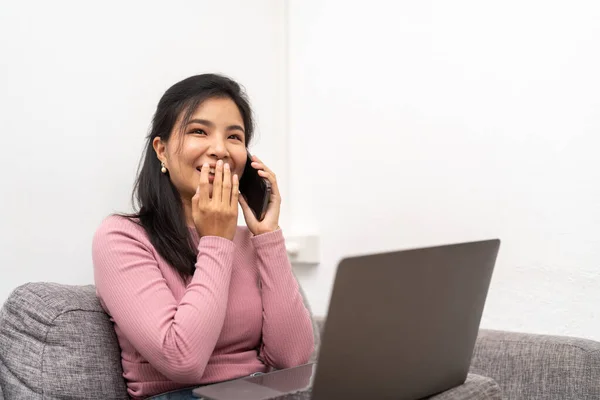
(212, 125)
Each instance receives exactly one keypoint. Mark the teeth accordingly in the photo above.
(210, 170)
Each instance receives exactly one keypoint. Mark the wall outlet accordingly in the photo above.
(303, 249)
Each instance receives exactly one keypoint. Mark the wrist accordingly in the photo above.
(267, 230)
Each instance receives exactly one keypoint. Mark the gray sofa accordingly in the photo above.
(57, 343)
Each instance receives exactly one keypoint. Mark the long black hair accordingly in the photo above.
(158, 203)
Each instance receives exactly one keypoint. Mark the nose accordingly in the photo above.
(218, 148)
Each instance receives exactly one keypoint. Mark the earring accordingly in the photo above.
(163, 169)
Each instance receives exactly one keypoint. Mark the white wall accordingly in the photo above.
(424, 122)
(411, 123)
(79, 82)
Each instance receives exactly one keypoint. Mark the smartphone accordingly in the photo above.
(255, 189)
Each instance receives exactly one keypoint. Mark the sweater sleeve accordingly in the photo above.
(287, 334)
(176, 338)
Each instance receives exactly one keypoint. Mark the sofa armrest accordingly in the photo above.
(319, 324)
(531, 366)
(476, 387)
(57, 342)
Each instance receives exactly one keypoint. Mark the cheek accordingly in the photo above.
(191, 150)
(239, 171)
(240, 162)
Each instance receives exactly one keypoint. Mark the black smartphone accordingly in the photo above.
(255, 189)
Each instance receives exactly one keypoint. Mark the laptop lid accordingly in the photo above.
(403, 325)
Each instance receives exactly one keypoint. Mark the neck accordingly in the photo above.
(187, 210)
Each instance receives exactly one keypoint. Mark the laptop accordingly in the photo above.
(400, 325)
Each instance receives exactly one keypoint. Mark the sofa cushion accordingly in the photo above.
(476, 387)
(539, 367)
(58, 343)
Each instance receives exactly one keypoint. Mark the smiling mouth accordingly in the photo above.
(211, 174)
(210, 171)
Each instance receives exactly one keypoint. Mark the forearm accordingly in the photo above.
(287, 326)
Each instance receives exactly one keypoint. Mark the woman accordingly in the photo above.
(194, 298)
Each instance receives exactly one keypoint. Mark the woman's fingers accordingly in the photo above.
(258, 164)
(225, 185)
(218, 183)
(203, 189)
(226, 195)
(215, 215)
(270, 222)
(270, 176)
(235, 190)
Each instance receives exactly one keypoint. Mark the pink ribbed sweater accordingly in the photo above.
(241, 312)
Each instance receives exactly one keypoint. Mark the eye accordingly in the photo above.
(198, 132)
(237, 137)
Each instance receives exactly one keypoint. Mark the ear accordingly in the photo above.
(160, 148)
